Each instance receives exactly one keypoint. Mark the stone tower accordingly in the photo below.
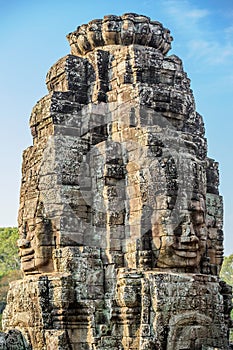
(120, 217)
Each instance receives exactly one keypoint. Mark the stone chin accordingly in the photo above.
(31, 263)
(27, 259)
(179, 258)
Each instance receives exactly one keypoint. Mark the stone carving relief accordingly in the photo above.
(115, 30)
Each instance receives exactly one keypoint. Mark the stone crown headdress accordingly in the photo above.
(127, 29)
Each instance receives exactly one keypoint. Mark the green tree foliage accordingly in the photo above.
(9, 262)
(9, 259)
(227, 275)
(227, 270)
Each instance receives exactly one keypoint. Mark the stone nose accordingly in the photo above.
(188, 234)
(23, 243)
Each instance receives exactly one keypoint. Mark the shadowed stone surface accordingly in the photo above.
(120, 217)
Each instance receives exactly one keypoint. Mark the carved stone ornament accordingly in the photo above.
(115, 30)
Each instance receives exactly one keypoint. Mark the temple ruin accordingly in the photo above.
(120, 216)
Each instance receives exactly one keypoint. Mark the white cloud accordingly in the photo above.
(201, 39)
(197, 14)
(210, 52)
(229, 32)
(184, 14)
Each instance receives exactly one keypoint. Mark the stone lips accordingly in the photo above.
(127, 29)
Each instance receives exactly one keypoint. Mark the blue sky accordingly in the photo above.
(33, 38)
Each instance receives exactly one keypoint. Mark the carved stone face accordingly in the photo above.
(182, 245)
(94, 33)
(35, 249)
(168, 39)
(110, 30)
(127, 34)
(128, 25)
